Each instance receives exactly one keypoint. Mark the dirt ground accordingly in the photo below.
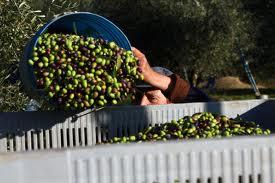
(230, 82)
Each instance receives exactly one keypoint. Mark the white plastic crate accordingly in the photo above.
(228, 160)
(27, 131)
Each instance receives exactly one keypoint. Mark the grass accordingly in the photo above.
(239, 94)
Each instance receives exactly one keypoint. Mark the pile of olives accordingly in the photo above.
(80, 72)
(199, 125)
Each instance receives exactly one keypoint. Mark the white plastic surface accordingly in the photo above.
(229, 160)
(27, 131)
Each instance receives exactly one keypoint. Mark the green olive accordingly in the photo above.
(71, 96)
(30, 62)
(40, 64)
(98, 88)
(45, 59)
(91, 101)
(114, 102)
(100, 103)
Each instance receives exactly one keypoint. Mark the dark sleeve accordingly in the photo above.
(180, 91)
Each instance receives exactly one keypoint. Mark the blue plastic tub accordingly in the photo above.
(80, 23)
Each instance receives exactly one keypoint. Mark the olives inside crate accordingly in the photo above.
(28, 131)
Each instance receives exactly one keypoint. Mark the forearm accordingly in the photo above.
(159, 81)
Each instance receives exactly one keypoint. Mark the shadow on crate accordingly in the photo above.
(33, 130)
(46, 130)
(25, 131)
(263, 114)
(20, 122)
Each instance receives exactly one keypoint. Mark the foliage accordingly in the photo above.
(201, 35)
(19, 20)
(263, 12)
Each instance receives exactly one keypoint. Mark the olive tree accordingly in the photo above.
(201, 36)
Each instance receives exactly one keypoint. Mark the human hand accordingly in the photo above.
(144, 66)
(150, 76)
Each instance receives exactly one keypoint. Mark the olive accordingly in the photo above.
(100, 103)
(40, 64)
(132, 138)
(114, 102)
(30, 62)
(51, 94)
(71, 96)
(74, 66)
